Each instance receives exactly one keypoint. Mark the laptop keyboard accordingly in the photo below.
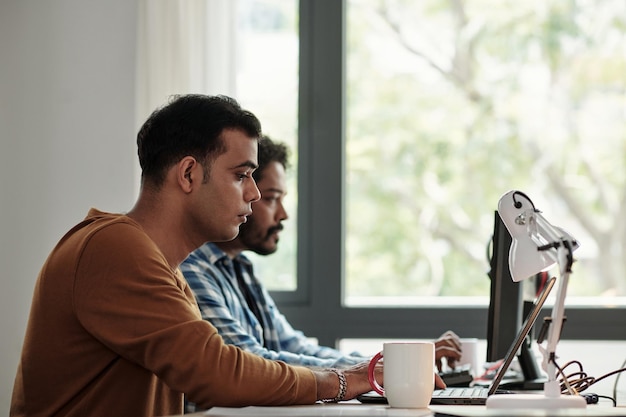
(462, 392)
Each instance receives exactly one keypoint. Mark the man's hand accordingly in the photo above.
(439, 384)
(447, 346)
(356, 379)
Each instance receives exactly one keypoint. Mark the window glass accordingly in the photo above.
(266, 61)
(452, 104)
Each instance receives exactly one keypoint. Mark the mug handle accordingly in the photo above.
(370, 374)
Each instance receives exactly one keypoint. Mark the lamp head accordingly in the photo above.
(534, 240)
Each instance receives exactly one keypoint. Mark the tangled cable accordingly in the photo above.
(578, 381)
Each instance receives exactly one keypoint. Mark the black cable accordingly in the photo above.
(517, 204)
(617, 379)
(614, 400)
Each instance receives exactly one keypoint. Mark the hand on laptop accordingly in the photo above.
(447, 346)
(439, 384)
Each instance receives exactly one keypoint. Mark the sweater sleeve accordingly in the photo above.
(127, 297)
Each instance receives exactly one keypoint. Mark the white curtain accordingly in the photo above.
(184, 46)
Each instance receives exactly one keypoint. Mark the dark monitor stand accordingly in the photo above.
(507, 311)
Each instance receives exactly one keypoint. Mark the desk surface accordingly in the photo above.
(356, 409)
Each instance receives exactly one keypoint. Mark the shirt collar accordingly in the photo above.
(215, 255)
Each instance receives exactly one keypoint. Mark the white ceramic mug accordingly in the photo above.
(408, 372)
(469, 355)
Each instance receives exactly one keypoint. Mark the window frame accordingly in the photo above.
(316, 306)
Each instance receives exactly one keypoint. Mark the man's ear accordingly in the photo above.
(186, 173)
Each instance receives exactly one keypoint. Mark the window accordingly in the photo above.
(420, 155)
(405, 135)
(452, 104)
(247, 49)
(266, 63)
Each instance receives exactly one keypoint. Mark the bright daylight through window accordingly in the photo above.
(450, 105)
(267, 84)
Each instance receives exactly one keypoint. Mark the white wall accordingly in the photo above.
(67, 138)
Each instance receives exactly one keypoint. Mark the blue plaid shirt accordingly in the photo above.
(211, 275)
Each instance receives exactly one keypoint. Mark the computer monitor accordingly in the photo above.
(507, 311)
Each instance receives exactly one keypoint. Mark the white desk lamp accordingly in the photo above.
(536, 246)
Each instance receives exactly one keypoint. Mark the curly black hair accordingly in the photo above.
(270, 151)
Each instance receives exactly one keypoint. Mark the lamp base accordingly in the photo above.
(535, 401)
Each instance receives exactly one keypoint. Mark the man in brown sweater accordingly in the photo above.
(114, 330)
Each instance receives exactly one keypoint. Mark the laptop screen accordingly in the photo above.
(521, 336)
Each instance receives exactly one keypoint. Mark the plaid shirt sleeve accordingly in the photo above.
(294, 347)
(210, 275)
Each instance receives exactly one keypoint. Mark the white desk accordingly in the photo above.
(348, 409)
(356, 409)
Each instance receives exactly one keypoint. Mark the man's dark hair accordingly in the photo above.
(189, 125)
(270, 151)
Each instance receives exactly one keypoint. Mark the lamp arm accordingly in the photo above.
(552, 387)
(546, 237)
(560, 246)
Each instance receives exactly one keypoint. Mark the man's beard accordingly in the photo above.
(259, 247)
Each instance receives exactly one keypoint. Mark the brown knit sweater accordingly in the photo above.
(113, 331)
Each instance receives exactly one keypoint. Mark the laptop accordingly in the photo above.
(478, 395)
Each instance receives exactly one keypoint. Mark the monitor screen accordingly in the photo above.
(507, 309)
